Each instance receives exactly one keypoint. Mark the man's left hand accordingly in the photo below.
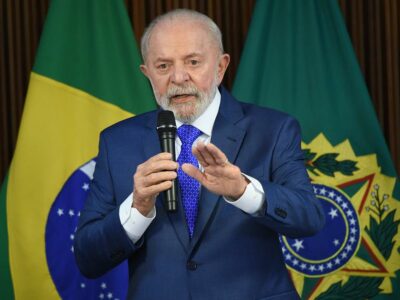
(219, 175)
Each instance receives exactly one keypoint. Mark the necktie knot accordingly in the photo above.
(188, 134)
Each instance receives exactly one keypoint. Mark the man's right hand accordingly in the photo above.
(152, 177)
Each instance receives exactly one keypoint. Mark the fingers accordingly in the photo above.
(203, 155)
(192, 171)
(160, 162)
(219, 156)
(157, 169)
(144, 197)
(154, 176)
(160, 156)
(199, 156)
(209, 154)
(146, 194)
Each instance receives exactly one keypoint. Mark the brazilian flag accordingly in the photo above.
(86, 77)
(298, 58)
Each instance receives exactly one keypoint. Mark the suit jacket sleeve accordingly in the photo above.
(291, 206)
(100, 241)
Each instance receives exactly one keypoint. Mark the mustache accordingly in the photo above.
(181, 90)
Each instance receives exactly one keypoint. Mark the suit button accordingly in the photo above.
(191, 265)
(281, 213)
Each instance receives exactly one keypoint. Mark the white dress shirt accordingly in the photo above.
(251, 202)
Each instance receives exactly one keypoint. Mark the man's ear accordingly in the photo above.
(144, 70)
(223, 63)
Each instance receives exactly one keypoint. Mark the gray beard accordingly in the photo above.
(203, 100)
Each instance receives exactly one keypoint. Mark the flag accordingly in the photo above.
(85, 77)
(298, 58)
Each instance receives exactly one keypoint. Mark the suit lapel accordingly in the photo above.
(177, 219)
(227, 135)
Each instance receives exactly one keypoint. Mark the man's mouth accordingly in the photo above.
(182, 97)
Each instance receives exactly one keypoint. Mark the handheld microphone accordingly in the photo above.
(166, 128)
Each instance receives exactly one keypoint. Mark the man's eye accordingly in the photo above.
(162, 66)
(194, 62)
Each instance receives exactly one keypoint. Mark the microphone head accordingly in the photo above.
(166, 122)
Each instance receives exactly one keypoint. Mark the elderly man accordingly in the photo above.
(240, 174)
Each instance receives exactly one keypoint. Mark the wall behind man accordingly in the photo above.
(373, 27)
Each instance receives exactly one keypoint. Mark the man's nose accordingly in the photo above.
(179, 75)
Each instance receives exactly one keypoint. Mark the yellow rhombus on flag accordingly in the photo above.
(86, 77)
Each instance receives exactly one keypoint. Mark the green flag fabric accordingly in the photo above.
(86, 77)
(298, 59)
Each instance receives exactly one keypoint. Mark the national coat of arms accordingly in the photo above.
(357, 253)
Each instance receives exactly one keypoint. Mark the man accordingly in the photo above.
(222, 243)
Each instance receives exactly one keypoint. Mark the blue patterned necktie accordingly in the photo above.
(189, 187)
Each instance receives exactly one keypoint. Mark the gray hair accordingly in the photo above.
(182, 14)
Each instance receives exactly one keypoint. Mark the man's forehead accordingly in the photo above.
(179, 21)
(163, 56)
(182, 27)
(187, 38)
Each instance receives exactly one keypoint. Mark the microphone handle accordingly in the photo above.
(167, 141)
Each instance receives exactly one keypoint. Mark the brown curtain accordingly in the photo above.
(374, 30)
(373, 27)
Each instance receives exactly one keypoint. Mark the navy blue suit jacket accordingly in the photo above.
(232, 255)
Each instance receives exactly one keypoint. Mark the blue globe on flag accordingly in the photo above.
(331, 248)
(60, 232)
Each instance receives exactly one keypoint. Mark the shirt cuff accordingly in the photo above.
(134, 223)
(253, 199)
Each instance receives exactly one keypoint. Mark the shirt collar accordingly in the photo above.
(206, 120)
